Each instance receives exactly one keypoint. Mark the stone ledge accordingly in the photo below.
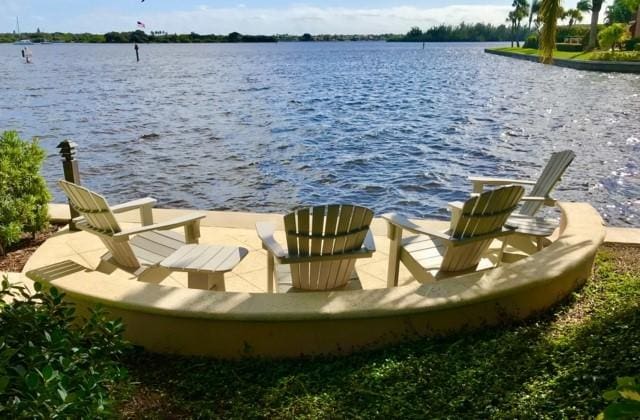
(232, 325)
(588, 65)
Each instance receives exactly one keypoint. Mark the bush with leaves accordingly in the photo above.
(624, 400)
(632, 44)
(23, 191)
(613, 35)
(53, 364)
(531, 42)
(616, 56)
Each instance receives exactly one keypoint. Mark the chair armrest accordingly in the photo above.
(455, 205)
(500, 181)
(265, 231)
(166, 225)
(547, 201)
(132, 205)
(480, 181)
(144, 204)
(369, 243)
(403, 223)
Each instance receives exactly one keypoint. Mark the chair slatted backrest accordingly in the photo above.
(99, 219)
(481, 215)
(322, 231)
(550, 176)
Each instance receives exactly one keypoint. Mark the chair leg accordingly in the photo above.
(395, 235)
(501, 253)
(192, 232)
(270, 272)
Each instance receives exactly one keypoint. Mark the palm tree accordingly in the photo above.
(511, 18)
(574, 16)
(535, 8)
(550, 10)
(520, 11)
(595, 7)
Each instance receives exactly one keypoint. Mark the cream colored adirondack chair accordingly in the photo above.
(430, 255)
(323, 244)
(524, 218)
(134, 249)
(542, 187)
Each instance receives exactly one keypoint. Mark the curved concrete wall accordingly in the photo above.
(588, 65)
(233, 325)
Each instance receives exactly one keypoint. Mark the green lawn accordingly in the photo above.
(555, 366)
(556, 53)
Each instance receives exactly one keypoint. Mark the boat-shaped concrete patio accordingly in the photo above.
(163, 315)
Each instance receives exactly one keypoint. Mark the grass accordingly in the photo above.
(555, 366)
(568, 55)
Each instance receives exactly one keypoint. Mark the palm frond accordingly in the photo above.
(549, 10)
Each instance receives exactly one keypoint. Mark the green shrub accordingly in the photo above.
(23, 191)
(615, 34)
(632, 44)
(531, 42)
(52, 366)
(617, 56)
(624, 400)
(575, 31)
(569, 47)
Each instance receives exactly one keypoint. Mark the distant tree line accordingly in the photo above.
(464, 32)
(136, 36)
(52, 37)
(163, 37)
(335, 37)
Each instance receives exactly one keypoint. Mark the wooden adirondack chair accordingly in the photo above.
(323, 244)
(524, 218)
(134, 249)
(429, 254)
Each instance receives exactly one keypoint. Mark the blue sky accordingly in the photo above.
(249, 16)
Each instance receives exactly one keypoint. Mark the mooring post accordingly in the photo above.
(71, 173)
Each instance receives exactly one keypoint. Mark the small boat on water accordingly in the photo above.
(21, 41)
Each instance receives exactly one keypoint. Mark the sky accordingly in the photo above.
(249, 16)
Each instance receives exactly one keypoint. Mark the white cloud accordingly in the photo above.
(294, 19)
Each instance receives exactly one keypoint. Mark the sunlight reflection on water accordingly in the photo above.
(271, 127)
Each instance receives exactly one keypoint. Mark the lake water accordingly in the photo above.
(273, 126)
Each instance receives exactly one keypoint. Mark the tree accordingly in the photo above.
(550, 10)
(583, 5)
(622, 11)
(535, 8)
(306, 37)
(138, 36)
(574, 16)
(617, 33)
(596, 5)
(234, 37)
(520, 11)
(414, 34)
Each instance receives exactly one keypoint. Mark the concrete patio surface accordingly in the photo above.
(223, 228)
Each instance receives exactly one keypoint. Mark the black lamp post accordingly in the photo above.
(71, 172)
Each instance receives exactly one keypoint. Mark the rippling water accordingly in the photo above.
(270, 127)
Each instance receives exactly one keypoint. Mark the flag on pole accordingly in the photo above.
(141, 25)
